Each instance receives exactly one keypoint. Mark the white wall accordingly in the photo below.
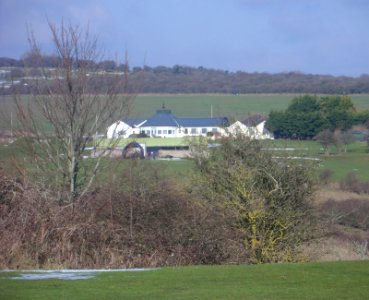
(163, 131)
(120, 129)
(252, 132)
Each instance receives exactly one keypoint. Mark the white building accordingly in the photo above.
(164, 124)
(124, 128)
(258, 132)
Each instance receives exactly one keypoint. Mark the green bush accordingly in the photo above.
(268, 196)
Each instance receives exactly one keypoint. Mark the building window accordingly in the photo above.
(169, 131)
(193, 131)
(165, 132)
(159, 131)
(186, 131)
(203, 130)
(214, 129)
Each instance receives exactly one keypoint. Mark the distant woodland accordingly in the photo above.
(181, 79)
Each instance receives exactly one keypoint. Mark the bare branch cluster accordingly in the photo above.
(61, 117)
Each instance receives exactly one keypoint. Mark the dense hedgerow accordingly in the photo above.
(138, 219)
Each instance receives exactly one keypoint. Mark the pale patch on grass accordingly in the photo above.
(71, 274)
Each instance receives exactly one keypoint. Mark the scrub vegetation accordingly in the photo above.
(230, 207)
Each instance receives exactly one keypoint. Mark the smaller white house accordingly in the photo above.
(258, 132)
(262, 133)
(124, 128)
(238, 128)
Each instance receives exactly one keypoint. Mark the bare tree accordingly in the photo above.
(367, 134)
(63, 114)
(325, 138)
(342, 139)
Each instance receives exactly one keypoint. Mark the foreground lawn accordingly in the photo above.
(334, 280)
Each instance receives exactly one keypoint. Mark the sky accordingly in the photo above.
(273, 36)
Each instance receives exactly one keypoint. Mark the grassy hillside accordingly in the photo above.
(201, 105)
(336, 280)
(222, 105)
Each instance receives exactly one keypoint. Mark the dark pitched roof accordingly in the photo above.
(163, 117)
(254, 119)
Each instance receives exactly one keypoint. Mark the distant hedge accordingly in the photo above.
(184, 79)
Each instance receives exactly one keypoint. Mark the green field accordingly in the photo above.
(341, 165)
(200, 105)
(235, 107)
(222, 105)
(149, 142)
(355, 160)
(334, 280)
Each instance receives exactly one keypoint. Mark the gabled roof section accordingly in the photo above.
(254, 119)
(163, 117)
(203, 122)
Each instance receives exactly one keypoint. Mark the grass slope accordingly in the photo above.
(222, 105)
(335, 280)
(199, 105)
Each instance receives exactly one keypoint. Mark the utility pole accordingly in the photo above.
(11, 125)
